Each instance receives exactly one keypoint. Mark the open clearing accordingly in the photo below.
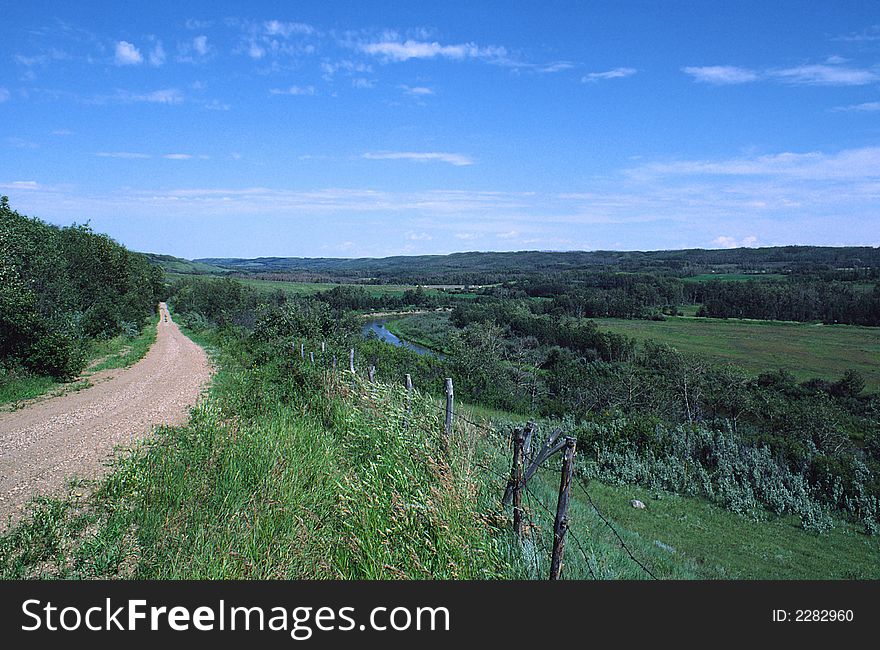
(804, 349)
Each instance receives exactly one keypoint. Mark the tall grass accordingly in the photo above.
(283, 472)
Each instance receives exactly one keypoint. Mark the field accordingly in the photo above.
(806, 350)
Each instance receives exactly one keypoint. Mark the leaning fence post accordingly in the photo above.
(449, 407)
(409, 388)
(312, 357)
(372, 374)
(516, 475)
(351, 360)
(560, 527)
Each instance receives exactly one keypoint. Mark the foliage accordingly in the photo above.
(61, 288)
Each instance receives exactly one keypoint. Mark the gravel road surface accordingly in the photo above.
(44, 445)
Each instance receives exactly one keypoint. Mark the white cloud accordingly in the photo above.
(21, 185)
(127, 54)
(4, 95)
(457, 159)
(217, 105)
(163, 96)
(348, 67)
(363, 83)
(723, 241)
(293, 90)
(126, 155)
(419, 91)
(862, 163)
(721, 74)
(830, 73)
(418, 236)
(466, 236)
(21, 143)
(557, 66)
(200, 45)
(177, 156)
(868, 35)
(825, 75)
(410, 49)
(278, 28)
(868, 107)
(61, 132)
(195, 51)
(157, 55)
(616, 73)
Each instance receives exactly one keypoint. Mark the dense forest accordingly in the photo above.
(62, 288)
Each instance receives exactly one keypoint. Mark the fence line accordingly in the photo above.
(536, 462)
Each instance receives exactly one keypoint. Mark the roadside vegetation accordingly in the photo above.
(65, 295)
(754, 444)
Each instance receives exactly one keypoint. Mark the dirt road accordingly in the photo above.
(44, 445)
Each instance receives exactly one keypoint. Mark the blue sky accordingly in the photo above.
(348, 129)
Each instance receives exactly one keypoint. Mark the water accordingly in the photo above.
(384, 334)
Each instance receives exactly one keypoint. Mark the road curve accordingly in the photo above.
(44, 445)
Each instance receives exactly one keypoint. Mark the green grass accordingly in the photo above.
(15, 387)
(118, 352)
(286, 471)
(709, 542)
(281, 473)
(430, 330)
(123, 351)
(724, 545)
(806, 350)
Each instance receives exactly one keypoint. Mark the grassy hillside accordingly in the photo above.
(806, 350)
(375, 493)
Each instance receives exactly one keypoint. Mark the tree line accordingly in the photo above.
(805, 301)
(61, 288)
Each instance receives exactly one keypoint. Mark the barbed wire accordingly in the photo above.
(580, 482)
(530, 495)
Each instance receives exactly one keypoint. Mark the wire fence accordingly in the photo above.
(533, 543)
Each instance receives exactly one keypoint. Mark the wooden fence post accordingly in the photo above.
(351, 360)
(450, 401)
(302, 351)
(372, 374)
(312, 357)
(409, 387)
(323, 346)
(516, 480)
(334, 362)
(560, 527)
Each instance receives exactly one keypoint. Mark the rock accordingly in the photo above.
(635, 503)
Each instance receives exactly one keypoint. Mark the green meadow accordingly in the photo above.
(804, 349)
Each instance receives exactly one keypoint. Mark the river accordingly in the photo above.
(378, 328)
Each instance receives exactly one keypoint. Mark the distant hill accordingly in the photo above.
(177, 265)
(475, 267)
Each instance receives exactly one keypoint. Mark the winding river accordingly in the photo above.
(378, 328)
